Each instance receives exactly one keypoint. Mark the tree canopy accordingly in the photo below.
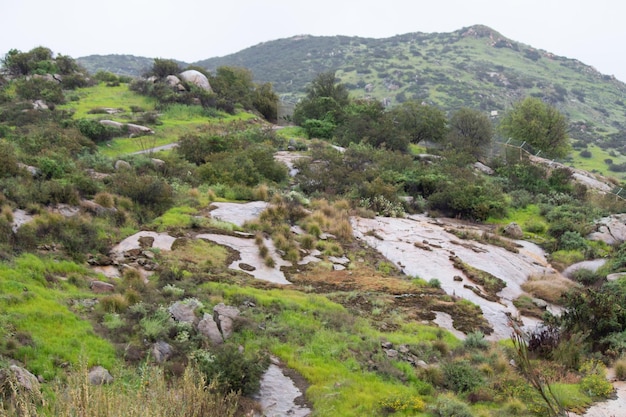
(419, 122)
(539, 124)
(470, 132)
(325, 100)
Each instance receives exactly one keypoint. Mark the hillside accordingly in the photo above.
(475, 67)
(375, 282)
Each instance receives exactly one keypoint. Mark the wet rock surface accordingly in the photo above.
(279, 396)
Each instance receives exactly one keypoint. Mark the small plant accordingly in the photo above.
(449, 406)
(172, 291)
(434, 283)
(620, 369)
(394, 404)
(476, 340)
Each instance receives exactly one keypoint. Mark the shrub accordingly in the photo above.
(232, 370)
(476, 340)
(461, 376)
(620, 369)
(115, 303)
(450, 406)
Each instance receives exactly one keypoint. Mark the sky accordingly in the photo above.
(191, 30)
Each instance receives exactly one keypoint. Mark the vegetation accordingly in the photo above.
(356, 337)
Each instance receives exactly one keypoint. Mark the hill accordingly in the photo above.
(475, 67)
(129, 65)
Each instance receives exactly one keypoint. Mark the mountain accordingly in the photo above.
(475, 67)
(129, 65)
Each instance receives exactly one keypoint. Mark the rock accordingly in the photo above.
(513, 230)
(339, 260)
(338, 267)
(540, 303)
(40, 105)
(137, 130)
(610, 230)
(615, 277)
(391, 353)
(483, 168)
(100, 376)
(404, 349)
(158, 163)
(184, 311)
(172, 80)
(34, 171)
(21, 376)
(95, 208)
(112, 123)
(208, 328)
(100, 287)
(197, 78)
(225, 316)
(421, 364)
(457, 278)
(386, 345)
(161, 351)
(122, 165)
(246, 267)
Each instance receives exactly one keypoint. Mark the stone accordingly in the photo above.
(158, 163)
(386, 345)
(145, 241)
(33, 171)
(172, 80)
(40, 105)
(184, 311)
(391, 353)
(100, 287)
(616, 276)
(513, 230)
(225, 316)
(161, 351)
(138, 130)
(208, 328)
(197, 78)
(100, 376)
(21, 376)
(122, 165)
(404, 349)
(483, 168)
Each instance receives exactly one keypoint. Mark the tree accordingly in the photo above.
(419, 122)
(161, 68)
(539, 124)
(325, 100)
(234, 85)
(470, 132)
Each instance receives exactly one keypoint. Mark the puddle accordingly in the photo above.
(278, 395)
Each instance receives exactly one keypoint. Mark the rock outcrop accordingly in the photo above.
(197, 78)
(99, 376)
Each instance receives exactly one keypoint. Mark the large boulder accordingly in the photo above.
(610, 230)
(197, 78)
(208, 328)
(185, 311)
(161, 351)
(100, 287)
(20, 376)
(225, 317)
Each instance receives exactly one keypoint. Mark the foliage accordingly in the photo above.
(161, 68)
(40, 89)
(450, 406)
(232, 370)
(539, 124)
(470, 132)
(461, 376)
(420, 122)
(325, 100)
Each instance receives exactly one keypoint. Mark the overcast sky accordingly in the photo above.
(590, 31)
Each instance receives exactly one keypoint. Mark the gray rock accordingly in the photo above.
(197, 78)
(513, 230)
(100, 376)
(184, 311)
(122, 165)
(225, 316)
(21, 376)
(540, 303)
(483, 168)
(172, 80)
(101, 287)
(386, 345)
(208, 328)
(34, 171)
(610, 230)
(161, 351)
(138, 130)
(40, 105)
(158, 163)
(391, 353)
(615, 277)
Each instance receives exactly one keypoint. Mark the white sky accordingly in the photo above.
(593, 32)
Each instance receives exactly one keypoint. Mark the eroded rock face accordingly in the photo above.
(610, 230)
(21, 376)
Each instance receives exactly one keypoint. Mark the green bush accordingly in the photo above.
(233, 371)
(450, 406)
(461, 376)
(476, 340)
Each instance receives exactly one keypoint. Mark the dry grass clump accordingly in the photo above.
(104, 199)
(153, 395)
(548, 287)
(620, 369)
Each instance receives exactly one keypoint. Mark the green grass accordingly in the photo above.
(596, 163)
(326, 344)
(102, 96)
(35, 297)
(526, 217)
(175, 218)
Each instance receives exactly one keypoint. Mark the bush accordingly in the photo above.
(232, 370)
(476, 340)
(620, 369)
(450, 406)
(461, 376)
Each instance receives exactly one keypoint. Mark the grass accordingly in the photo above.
(175, 218)
(596, 162)
(36, 298)
(195, 255)
(548, 287)
(102, 96)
